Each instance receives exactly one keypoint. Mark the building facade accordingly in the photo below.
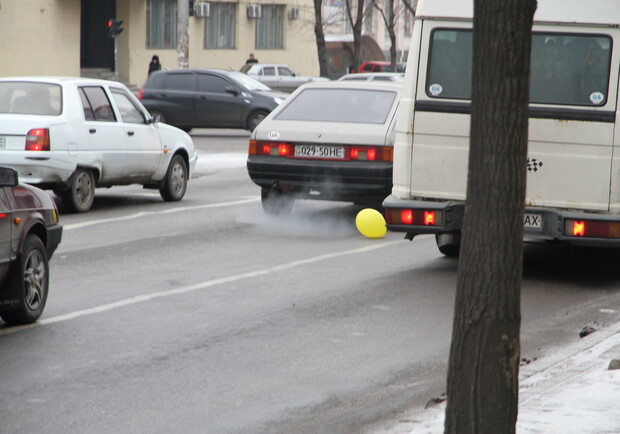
(69, 37)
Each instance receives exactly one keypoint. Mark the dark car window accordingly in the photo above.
(339, 105)
(268, 70)
(212, 83)
(128, 110)
(282, 70)
(566, 68)
(96, 104)
(183, 82)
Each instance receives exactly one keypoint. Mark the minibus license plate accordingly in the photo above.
(318, 151)
(532, 221)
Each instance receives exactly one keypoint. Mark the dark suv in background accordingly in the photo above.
(208, 98)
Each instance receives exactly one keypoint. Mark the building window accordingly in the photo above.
(220, 26)
(162, 24)
(270, 27)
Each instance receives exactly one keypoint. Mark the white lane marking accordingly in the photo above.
(143, 214)
(195, 287)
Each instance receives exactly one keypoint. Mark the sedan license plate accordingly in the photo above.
(320, 152)
(2, 142)
(532, 221)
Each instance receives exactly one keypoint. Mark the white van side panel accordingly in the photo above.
(571, 163)
(405, 121)
(556, 11)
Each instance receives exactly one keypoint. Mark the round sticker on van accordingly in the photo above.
(435, 89)
(597, 98)
(273, 135)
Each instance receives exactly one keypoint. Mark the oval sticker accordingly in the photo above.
(435, 89)
(597, 98)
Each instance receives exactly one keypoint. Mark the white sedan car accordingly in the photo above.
(71, 135)
(278, 77)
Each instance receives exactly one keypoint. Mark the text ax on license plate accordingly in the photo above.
(532, 221)
(319, 151)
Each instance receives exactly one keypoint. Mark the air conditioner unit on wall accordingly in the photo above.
(253, 11)
(293, 14)
(202, 9)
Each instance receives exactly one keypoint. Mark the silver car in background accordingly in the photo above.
(278, 77)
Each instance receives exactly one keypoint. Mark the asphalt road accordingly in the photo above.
(207, 316)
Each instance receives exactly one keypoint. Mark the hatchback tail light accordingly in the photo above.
(140, 93)
(38, 139)
(278, 149)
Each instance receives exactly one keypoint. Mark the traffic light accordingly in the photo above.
(114, 27)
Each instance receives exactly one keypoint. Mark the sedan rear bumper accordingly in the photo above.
(354, 181)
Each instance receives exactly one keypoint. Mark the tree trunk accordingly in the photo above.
(183, 33)
(483, 368)
(320, 37)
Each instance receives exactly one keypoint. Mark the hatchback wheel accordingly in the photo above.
(80, 195)
(276, 202)
(32, 279)
(175, 182)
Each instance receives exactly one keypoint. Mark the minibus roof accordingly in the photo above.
(598, 12)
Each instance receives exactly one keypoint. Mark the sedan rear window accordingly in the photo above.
(339, 105)
(32, 98)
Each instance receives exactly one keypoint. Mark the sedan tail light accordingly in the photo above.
(38, 139)
(140, 93)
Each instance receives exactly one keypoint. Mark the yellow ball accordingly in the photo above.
(370, 223)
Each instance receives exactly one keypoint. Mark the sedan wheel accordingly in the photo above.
(175, 182)
(81, 193)
(33, 281)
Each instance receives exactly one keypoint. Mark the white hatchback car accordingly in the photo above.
(327, 141)
(71, 135)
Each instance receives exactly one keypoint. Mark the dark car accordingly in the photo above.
(29, 235)
(208, 98)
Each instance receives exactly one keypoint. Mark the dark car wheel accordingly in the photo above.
(162, 117)
(276, 202)
(175, 182)
(33, 281)
(256, 118)
(80, 195)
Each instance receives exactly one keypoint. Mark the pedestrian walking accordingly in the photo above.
(154, 65)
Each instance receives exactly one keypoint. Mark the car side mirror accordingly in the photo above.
(8, 177)
(231, 89)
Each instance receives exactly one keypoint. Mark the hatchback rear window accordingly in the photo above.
(33, 98)
(340, 105)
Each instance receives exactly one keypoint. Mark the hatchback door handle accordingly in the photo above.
(92, 130)
(130, 133)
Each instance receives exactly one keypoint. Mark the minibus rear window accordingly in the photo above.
(566, 68)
